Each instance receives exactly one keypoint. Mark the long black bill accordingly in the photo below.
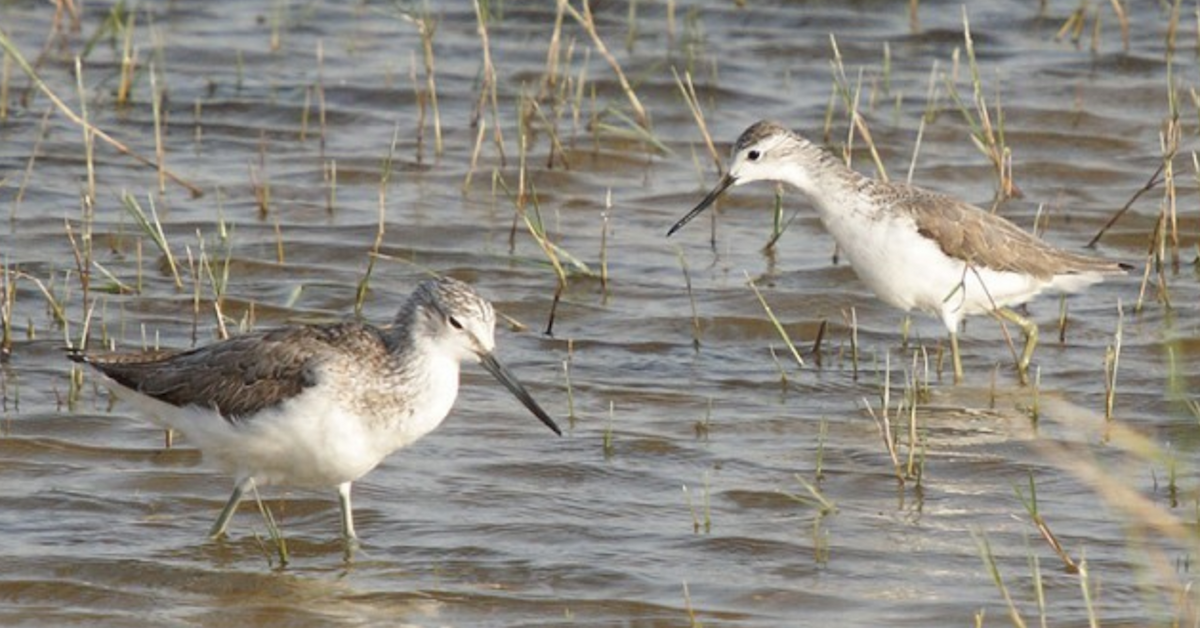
(500, 373)
(724, 184)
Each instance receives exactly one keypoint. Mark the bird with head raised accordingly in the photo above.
(913, 248)
(317, 406)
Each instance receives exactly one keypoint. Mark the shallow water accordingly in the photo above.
(493, 521)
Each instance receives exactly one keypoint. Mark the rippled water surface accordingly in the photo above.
(679, 495)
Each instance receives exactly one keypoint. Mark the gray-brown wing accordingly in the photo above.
(988, 241)
(243, 375)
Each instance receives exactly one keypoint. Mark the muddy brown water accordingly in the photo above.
(491, 521)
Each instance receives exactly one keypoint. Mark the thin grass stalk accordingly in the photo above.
(1030, 502)
(82, 255)
(687, 282)
(52, 302)
(198, 129)
(88, 142)
(43, 128)
(8, 303)
(775, 322)
(321, 111)
(159, 150)
(604, 241)
(1112, 360)
(128, 60)
(1151, 183)
(196, 281)
(1123, 20)
(384, 178)
(305, 113)
(914, 397)
(993, 567)
(550, 78)
(853, 323)
(479, 135)
(693, 102)
(5, 74)
(567, 376)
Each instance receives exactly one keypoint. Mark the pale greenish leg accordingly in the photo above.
(1030, 329)
(347, 515)
(239, 489)
(956, 358)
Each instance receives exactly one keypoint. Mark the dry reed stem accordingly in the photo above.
(589, 25)
(427, 27)
(1112, 359)
(1150, 184)
(128, 61)
(82, 259)
(479, 135)
(487, 91)
(550, 78)
(56, 308)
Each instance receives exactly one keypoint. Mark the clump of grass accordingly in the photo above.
(589, 25)
(556, 255)
(426, 27)
(850, 100)
(988, 136)
(487, 99)
(11, 50)
(824, 507)
(152, 228)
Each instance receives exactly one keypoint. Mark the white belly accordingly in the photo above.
(909, 271)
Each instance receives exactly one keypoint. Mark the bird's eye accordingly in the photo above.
(454, 323)
(753, 155)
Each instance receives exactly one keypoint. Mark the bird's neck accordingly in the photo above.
(834, 189)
